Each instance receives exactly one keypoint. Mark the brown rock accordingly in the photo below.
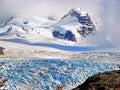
(1, 51)
(102, 81)
(61, 87)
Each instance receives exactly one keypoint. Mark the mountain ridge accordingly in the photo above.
(35, 25)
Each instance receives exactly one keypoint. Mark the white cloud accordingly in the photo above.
(46, 8)
(110, 20)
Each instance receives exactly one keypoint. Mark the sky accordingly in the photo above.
(110, 20)
(105, 13)
(45, 8)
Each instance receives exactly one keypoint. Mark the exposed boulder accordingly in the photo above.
(1, 51)
(102, 81)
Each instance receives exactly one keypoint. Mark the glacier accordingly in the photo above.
(27, 36)
(49, 73)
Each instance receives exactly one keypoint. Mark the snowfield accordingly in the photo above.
(31, 33)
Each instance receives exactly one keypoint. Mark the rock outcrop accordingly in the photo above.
(1, 51)
(77, 16)
(102, 81)
(74, 26)
(68, 35)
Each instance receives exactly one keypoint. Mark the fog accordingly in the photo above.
(111, 23)
(45, 8)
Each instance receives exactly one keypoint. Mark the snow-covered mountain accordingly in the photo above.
(77, 25)
(74, 26)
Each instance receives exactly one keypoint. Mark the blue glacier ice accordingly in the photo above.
(48, 74)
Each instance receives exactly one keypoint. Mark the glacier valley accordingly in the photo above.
(48, 74)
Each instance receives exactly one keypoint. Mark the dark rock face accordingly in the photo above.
(85, 20)
(5, 20)
(25, 22)
(84, 31)
(102, 81)
(68, 35)
(80, 21)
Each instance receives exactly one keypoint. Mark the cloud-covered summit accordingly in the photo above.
(104, 12)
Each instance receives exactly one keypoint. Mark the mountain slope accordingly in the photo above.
(78, 23)
(70, 33)
(102, 81)
(72, 27)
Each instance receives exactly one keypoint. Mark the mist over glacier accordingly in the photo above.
(108, 32)
(110, 15)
